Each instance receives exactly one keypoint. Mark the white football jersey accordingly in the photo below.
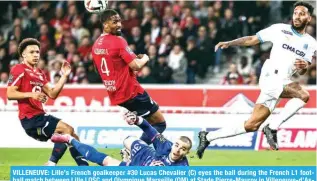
(288, 45)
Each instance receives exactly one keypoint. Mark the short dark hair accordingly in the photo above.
(305, 4)
(26, 42)
(105, 16)
(187, 140)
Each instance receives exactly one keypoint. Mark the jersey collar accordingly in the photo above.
(26, 66)
(296, 33)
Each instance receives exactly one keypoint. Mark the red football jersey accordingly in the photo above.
(28, 80)
(111, 56)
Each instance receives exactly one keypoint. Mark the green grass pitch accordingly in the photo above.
(27, 156)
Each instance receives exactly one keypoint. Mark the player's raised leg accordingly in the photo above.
(89, 152)
(158, 122)
(299, 97)
(64, 128)
(144, 106)
(259, 115)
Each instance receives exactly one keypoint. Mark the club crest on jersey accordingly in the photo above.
(294, 50)
(128, 49)
(305, 46)
(98, 51)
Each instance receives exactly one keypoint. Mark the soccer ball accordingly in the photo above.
(96, 6)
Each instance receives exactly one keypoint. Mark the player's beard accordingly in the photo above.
(118, 33)
(301, 27)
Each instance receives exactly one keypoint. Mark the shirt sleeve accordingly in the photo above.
(311, 53)
(268, 34)
(125, 51)
(16, 75)
(45, 81)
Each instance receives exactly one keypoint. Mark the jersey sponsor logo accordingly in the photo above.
(110, 85)
(244, 141)
(36, 83)
(294, 50)
(293, 139)
(98, 51)
(287, 32)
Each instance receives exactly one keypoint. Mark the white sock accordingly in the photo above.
(70, 139)
(291, 107)
(140, 121)
(226, 132)
(50, 163)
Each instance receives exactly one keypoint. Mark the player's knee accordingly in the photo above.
(69, 130)
(305, 96)
(109, 161)
(106, 161)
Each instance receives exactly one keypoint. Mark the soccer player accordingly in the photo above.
(29, 86)
(164, 153)
(292, 52)
(116, 64)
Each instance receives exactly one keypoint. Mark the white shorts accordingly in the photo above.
(271, 86)
(267, 101)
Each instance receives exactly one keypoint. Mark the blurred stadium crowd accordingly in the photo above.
(178, 36)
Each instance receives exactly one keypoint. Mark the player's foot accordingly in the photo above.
(50, 163)
(271, 137)
(60, 138)
(125, 155)
(203, 143)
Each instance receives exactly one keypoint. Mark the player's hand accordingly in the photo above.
(131, 118)
(39, 96)
(300, 64)
(66, 68)
(222, 45)
(157, 163)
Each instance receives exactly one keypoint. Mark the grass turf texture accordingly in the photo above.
(37, 157)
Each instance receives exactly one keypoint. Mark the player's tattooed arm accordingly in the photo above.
(243, 41)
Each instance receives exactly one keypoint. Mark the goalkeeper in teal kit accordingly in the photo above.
(164, 153)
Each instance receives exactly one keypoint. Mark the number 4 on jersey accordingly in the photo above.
(104, 67)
